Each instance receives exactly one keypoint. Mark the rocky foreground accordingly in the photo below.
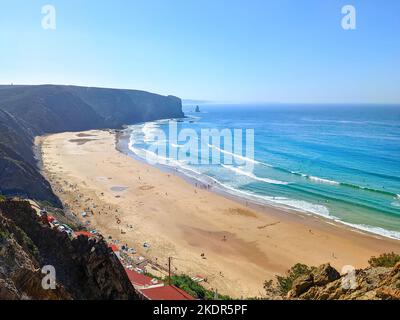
(85, 269)
(325, 283)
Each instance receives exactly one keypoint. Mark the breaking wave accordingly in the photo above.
(235, 155)
(252, 175)
(141, 136)
(280, 202)
(321, 180)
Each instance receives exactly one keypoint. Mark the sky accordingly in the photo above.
(274, 51)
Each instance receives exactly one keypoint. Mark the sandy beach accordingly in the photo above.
(137, 203)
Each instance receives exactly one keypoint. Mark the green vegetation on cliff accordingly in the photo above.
(193, 288)
(284, 284)
(386, 260)
(380, 281)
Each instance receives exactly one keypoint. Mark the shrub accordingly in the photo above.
(271, 289)
(4, 235)
(188, 285)
(193, 288)
(2, 198)
(387, 260)
(285, 283)
(148, 274)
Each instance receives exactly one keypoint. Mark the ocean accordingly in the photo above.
(340, 162)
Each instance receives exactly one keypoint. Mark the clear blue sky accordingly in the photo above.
(224, 50)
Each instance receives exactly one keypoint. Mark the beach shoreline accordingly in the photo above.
(121, 145)
(243, 245)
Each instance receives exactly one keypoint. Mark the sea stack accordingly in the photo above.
(197, 109)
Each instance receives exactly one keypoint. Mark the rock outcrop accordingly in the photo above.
(29, 111)
(85, 269)
(325, 283)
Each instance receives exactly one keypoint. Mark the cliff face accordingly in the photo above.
(85, 269)
(28, 111)
(119, 107)
(325, 283)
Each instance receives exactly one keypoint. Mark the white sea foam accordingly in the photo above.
(150, 131)
(341, 121)
(315, 179)
(281, 202)
(307, 207)
(140, 131)
(235, 155)
(150, 156)
(304, 206)
(252, 175)
(375, 230)
(321, 180)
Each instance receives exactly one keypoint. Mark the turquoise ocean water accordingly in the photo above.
(336, 161)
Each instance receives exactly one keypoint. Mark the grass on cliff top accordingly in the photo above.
(387, 260)
(285, 283)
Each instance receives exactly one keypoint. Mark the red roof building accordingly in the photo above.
(83, 233)
(113, 247)
(140, 280)
(166, 293)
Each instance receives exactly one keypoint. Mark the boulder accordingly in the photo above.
(301, 285)
(386, 293)
(325, 274)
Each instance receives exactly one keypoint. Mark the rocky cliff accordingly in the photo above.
(373, 283)
(85, 269)
(325, 283)
(28, 111)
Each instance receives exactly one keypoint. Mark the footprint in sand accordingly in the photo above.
(146, 187)
(269, 225)
(242, 212)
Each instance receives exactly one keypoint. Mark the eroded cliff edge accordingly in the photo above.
(29, 111)
(85, 268)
